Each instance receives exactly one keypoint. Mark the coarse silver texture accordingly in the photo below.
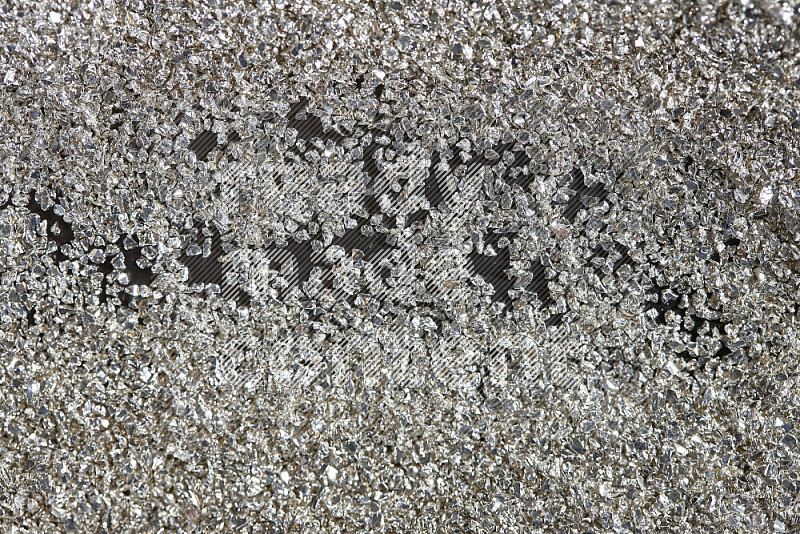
(399, 266)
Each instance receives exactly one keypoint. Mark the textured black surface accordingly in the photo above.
(492, 268)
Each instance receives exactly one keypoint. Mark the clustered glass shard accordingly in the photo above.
(399, 266)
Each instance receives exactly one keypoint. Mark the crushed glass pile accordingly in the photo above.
(399, 266)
